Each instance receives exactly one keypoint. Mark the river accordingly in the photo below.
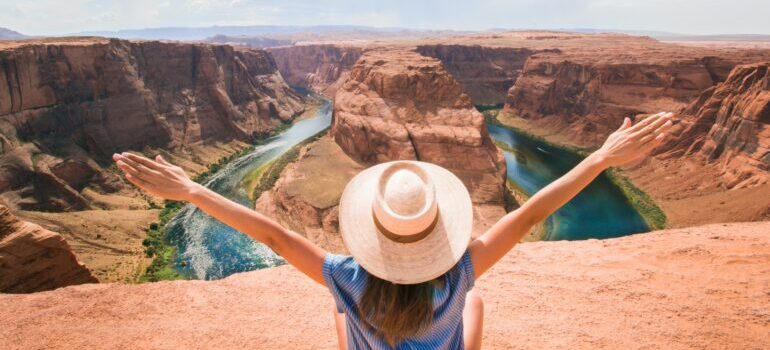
(599, 211)
(208, 249)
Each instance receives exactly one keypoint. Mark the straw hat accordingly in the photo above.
(406, 222)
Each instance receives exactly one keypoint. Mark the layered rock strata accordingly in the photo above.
(66, 106)
(729, 126)
(485, 73)
(321, 68)
(33, 259)
(397, 104)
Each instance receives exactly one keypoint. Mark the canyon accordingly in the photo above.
(393, 105)
(318, 67)
(67, 104)
(556, 86)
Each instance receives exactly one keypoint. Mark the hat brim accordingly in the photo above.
(406, 263)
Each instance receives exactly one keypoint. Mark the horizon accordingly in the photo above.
(684, 17)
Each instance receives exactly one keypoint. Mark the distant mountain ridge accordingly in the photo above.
(202, 33)
(7, 34)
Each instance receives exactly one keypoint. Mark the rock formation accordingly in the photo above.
(485, 73)
(394, 104)
(587, 97)
(33, 259)
(716, 165)
(66, 106)
(397, 104)
(306, 196)
(729, 125)
(696, 288)
(318, 67)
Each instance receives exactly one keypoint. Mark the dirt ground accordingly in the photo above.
(696, 288)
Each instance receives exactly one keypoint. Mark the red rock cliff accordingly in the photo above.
(33, 259)
(485, 73)
(397, 104)
(66, 106)
(729, 126)
(318, 67)
(586, 99)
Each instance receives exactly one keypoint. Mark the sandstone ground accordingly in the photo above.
(704, 287)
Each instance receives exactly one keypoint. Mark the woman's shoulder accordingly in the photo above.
(336, 264)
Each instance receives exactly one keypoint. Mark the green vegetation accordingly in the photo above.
(157, 248)
(652, 214)
(645, 205)
(221, 163)
(264, 178)
(484, 108)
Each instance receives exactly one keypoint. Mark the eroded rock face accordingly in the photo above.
(33, 259)
(397, 104)
(318, 67)
(66, 106)
(587, 100)
(485, 73)
(307, 195)
(729, 126)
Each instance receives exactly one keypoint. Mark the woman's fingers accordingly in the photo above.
(161, 160)
(640, 125)
(140, 167)
(659, 121)
(655, 142)
(144, 185)
(626, 124)
(130, 169)
(142, 160)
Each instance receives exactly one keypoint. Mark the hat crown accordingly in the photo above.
(405, 206)
(405, 193)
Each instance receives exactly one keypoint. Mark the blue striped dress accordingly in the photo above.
(346, 279)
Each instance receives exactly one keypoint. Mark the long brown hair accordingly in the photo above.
(397, 311)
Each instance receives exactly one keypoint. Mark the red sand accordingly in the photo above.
(705, 287)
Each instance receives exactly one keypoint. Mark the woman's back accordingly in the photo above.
(346, 281)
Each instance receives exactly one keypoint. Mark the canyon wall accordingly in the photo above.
(33, 259)
(66, 106)
(318, 67)
(695, 288)
(485, 73)
(586, 99)
(729, 126)
(397, 104)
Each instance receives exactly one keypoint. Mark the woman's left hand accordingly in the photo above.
(156, 177)
(631, 143)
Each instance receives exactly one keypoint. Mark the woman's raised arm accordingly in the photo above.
(162, 179)
(626, 145)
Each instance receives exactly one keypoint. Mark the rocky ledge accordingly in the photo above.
(702, 287)
(33, 259)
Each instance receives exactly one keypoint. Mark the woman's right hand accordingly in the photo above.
(631, 143)
(158, 178)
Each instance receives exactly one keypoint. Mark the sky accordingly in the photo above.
(59, 17)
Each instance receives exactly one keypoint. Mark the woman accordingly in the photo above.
(408, 284)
